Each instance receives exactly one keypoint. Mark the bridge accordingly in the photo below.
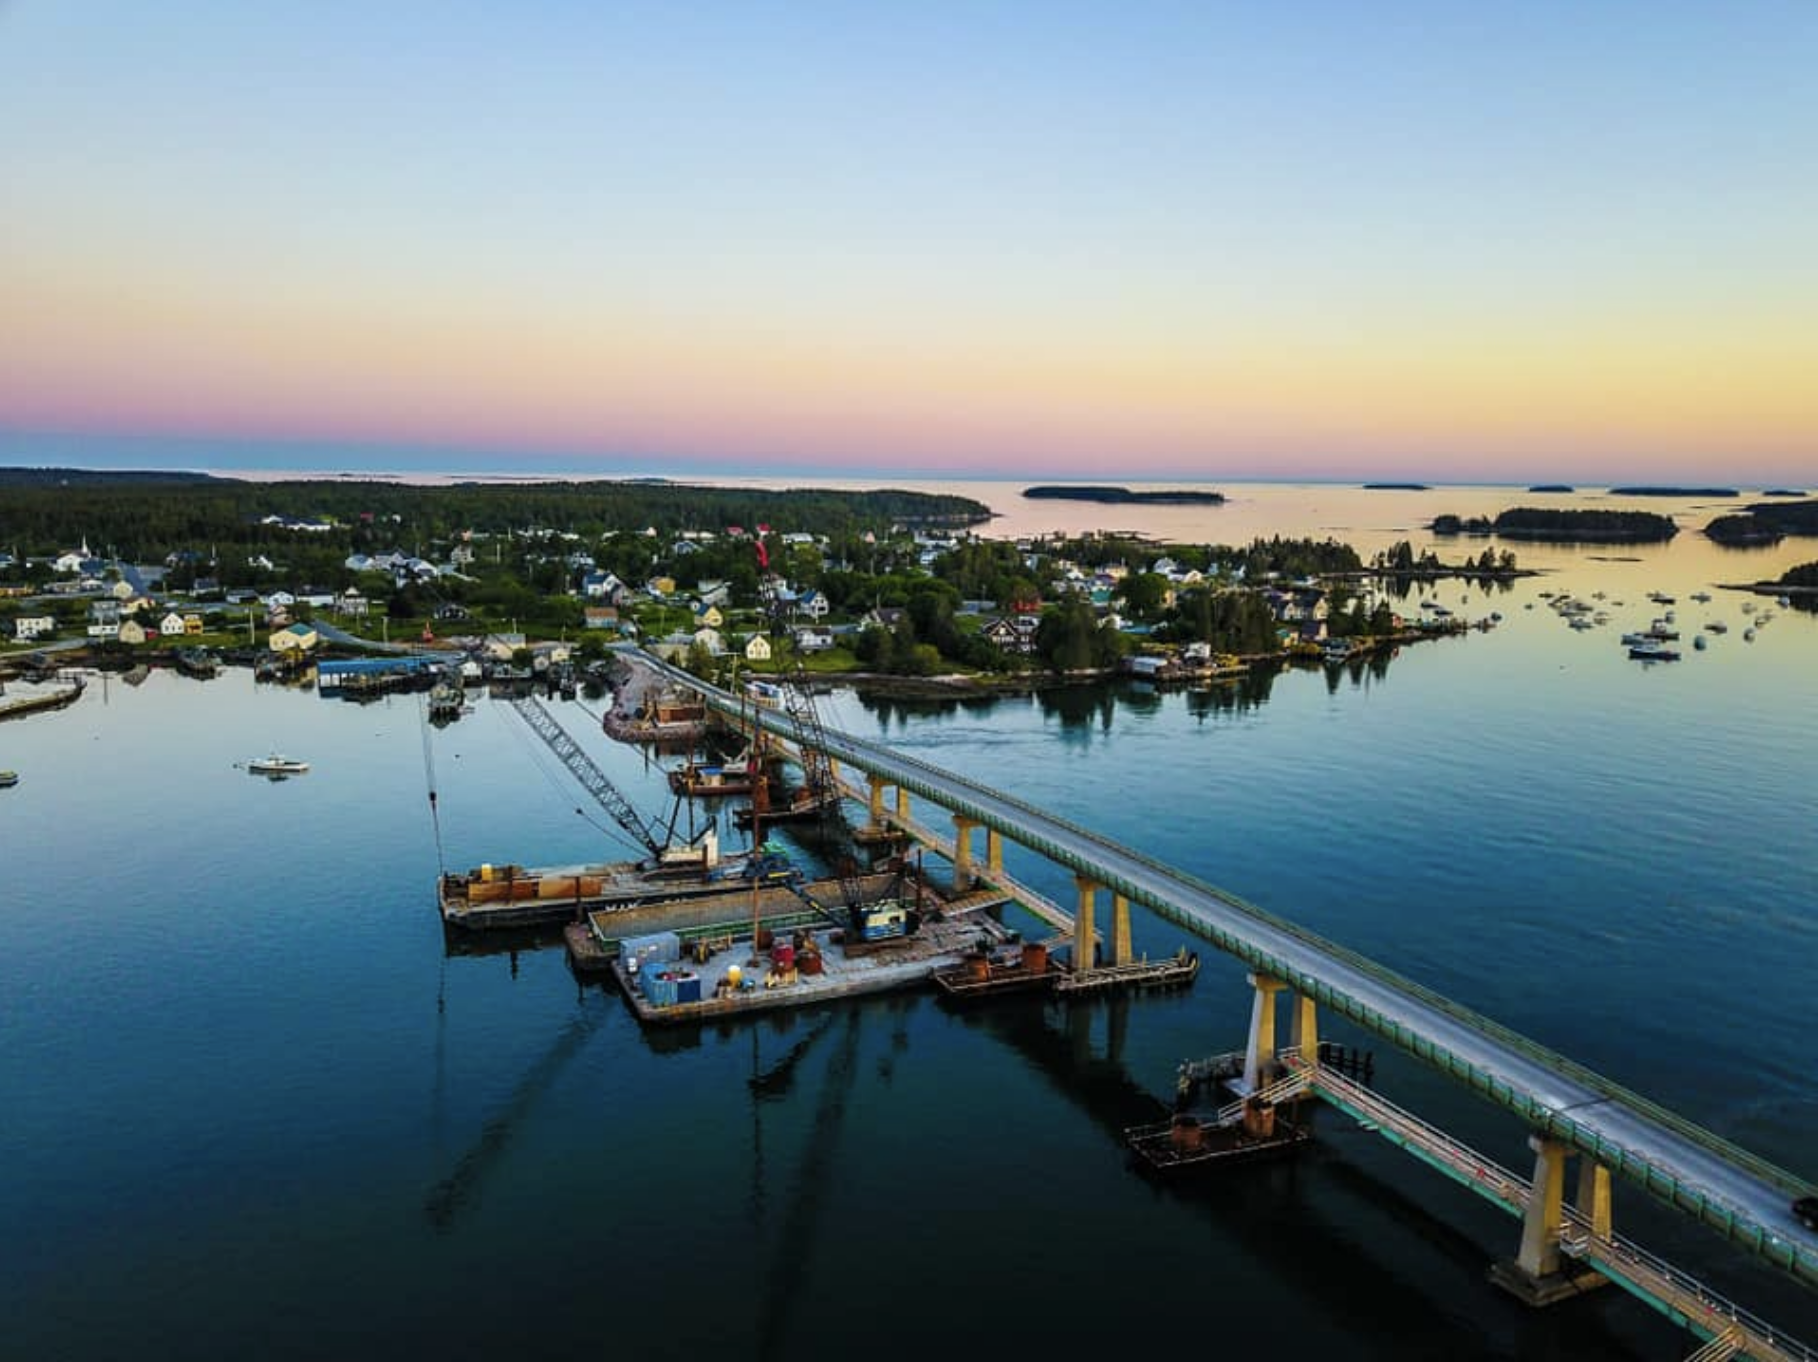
(1572, 1112)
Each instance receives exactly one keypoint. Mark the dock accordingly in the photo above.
(502, 896)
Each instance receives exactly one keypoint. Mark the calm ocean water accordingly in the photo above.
(252, 1107)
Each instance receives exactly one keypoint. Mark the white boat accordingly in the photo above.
(1702, 597)
(277, 765)
(8, 779)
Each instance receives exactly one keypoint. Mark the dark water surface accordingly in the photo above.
(251, 1107)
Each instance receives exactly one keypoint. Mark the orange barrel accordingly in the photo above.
(809, 962)
(978, 967)
(1185, 1133)
(782, 955)
(1035, 957)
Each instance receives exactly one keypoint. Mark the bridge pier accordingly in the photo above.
(1303, 1029)
(875, 804)
(1085, 939)
(1121, 953)
(1538, 1274)
(1259, 1051)
(962, 853)
(994, 853)
(902, 803)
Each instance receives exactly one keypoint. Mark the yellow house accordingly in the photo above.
(192, 624)
(131, 631)
(300, 637)
(757, 649)
(708, 617)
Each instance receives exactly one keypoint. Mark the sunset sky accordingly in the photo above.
(1438, 240)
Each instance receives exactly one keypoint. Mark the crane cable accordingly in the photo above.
(429, 776)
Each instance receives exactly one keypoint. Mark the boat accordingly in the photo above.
(277, 765)
(1702, 597)
(1748, 635)
(8, 779)
(1718, 627)
(1652, 650)
(1335, 650)
(1701, 643)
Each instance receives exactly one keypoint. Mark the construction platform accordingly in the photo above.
(1187, 1142)
(733, 978)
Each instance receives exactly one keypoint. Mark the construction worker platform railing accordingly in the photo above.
(1743, 1197)
(1673, 1292)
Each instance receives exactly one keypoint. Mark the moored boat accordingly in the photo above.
(8, 779)
(277, 764)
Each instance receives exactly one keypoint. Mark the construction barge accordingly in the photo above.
(497, 896)
(994, 972)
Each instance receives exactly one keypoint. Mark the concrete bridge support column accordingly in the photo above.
(1121, 954)
(1593, 1199)
(1538, 1274)
(1259, 1053)
(1303, 1029)
(962, 853)
(902, 802)
(994, 852)
(876, 802)
(1084, 937)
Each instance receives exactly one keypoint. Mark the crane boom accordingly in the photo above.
(592, 778)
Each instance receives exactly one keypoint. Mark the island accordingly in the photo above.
(1552, 487)
(1396, 487)
(1564, 526)
(1674, 492)
(1743, 532)
(1122, 496)
(1782, 492)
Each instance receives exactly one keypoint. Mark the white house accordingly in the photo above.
(171, 624)
(30, 626)
(133, 632)
(710, 639)
(814, 605)
(814, 638)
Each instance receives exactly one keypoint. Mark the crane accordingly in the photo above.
(658, 842)
(866, 922)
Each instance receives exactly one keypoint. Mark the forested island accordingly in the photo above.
(1764, 523)
(1674, 492)
(1396, 487)
(1122, 496)
(1564, 526)
(1743, 532)
(1552, 487)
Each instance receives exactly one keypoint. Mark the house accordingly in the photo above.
(757, 648)
(814, 638)
(280, 600)
(708, 617)
(1012, 633)
(883, 617)
(814, 605)
(602, 586)
(192, 624)
(660, 587)
(300, 637)
(713, 593)
(104, 629)
(172, 624)
(133, 632)
(710, 639)
(104, 612)
(31, 626)
(600, 616)
(353, 604)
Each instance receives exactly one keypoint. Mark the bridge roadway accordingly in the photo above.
(1743, 1197)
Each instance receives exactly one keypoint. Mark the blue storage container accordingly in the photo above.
(688, 989)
